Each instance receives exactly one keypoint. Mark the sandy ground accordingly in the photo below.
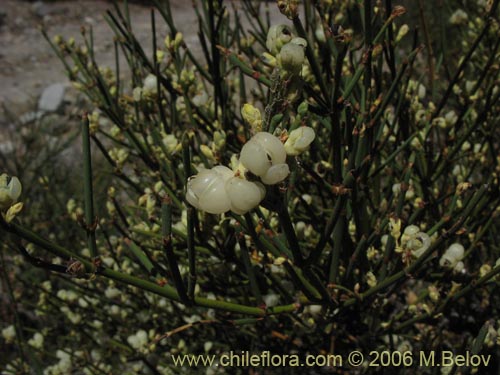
(28, 64)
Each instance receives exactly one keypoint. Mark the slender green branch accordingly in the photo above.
(247, 70)
(390, 280)
(191, 215)
(311, 58)
(293, 242)
(166, 219)
(254, 286)
(165, 291)
(90, 218)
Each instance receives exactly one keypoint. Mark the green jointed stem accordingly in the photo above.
(245, 257)
(338, 233)
(361, 68)
(293, 242)
(311, 58)
(191, 216)
(247, 70)
(166, 220)
(165, 291)
(141, 257)
(419, 261)
(389, 248)
(90, 219)
(457, 295)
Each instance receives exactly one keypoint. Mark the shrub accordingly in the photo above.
(318, 186)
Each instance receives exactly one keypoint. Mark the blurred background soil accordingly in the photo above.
(29, 67)
(27, 63)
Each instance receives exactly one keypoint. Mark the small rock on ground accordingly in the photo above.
(52, 98)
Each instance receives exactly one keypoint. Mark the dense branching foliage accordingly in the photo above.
(321, 184)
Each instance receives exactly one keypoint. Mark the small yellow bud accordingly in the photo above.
(168, 42)
(372, 253)
(462, 187)
(252, 117)
(110, 206)
(395, 226)
(219, 140)
(433, 293)
(289, 8)
(279, 261)
(178, 40)
(371, 279)
(160, 55)
(377, 50)
(403, 30)
(10, 190)
(485, 268)
(269, 59)
(207, 152)
(150, 203)
(13, 211)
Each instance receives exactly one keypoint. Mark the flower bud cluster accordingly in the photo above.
(288, 50)
(292, 56)
(265, 156)
(289, 8)
(452, 258)
(10, 191)
(299, 140)
(149, 88)
(277, 37)
(175, 43)
(220, 189)
(415, 241)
